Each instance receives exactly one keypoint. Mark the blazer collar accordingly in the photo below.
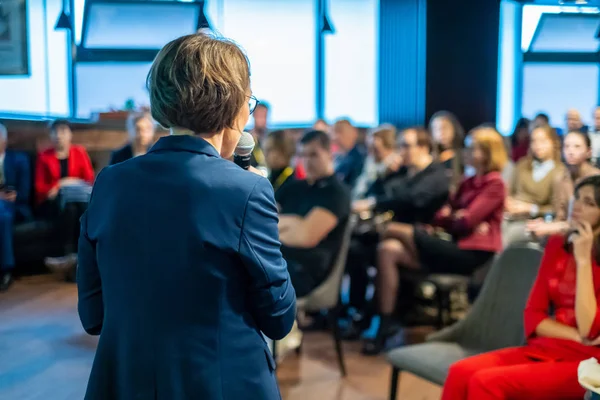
(193, 144)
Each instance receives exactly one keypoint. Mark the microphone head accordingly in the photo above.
(245, 144)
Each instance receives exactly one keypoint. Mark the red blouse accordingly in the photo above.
(555, 286)
(47, 170)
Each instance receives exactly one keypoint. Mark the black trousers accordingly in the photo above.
(65, 218)
(361, 255)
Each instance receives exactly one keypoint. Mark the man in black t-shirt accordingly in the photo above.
(313, 216)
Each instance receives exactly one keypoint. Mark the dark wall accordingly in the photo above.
(402, 62)
(462, 59)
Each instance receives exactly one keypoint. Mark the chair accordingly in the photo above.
(494, 322)
(326, 296)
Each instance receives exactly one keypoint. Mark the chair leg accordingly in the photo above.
(394, 383)
(441, 297)
(337, 338)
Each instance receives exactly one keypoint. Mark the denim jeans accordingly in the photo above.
(7, 258)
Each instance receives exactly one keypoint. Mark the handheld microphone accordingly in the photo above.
(243, 150)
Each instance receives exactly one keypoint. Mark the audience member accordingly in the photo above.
(321, 125)
(576, 152)
(449, 136)
(382, 160)
(562, 321)
(351, 157)
(533, 188)
(63, 175)
(468, 233)
(541, 119)
(313, 216)
(418, 190)
(413, 194)
(15, 188)
(595, 138)
(279, 150)
(140, 127)
(259, 131)
(574, 122)
(519, 140)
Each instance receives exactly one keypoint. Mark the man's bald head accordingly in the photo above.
(574, 122)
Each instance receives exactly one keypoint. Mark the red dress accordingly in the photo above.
(545, 368)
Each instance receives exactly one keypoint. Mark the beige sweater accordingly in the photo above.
(543, 193)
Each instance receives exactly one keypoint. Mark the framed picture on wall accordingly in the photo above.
(14, 49)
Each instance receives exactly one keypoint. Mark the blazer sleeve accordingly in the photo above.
(85, 169)
(487, 202)
(43, 181)
(89, 284)
(538, 303)
(272, 297)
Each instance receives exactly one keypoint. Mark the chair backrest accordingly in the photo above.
(496, 319)
(327, 294)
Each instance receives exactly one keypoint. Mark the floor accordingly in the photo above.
(44, 354)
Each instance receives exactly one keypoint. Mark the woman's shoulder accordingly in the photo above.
(523, 163)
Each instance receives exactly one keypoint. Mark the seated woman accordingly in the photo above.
(568, 282)
(140, 127)
(577, 150)
(449, 136)
(470, 224)
(534, 184)
(279, 150)
(63, 177)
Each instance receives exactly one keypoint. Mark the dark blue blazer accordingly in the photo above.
(180, 270)
(17, 173)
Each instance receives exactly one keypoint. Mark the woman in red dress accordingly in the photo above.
(568, 281)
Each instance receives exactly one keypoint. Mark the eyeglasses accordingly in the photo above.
(252, 103)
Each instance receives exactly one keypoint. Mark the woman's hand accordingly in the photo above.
(587, 342)
(445, 211)
(427, 228)
(516, 207)
(583, 243)
(53, 192)
(393, 163)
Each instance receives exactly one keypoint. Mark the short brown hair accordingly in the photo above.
(492, 144)
(198, 82)
(387, 137)
(282, 142)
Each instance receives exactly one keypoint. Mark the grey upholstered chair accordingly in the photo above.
(495, 321)
(327, 295)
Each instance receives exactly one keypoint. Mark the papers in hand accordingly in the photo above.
(588, 374)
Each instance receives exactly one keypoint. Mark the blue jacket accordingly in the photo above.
(179, 271)
(17, 173)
